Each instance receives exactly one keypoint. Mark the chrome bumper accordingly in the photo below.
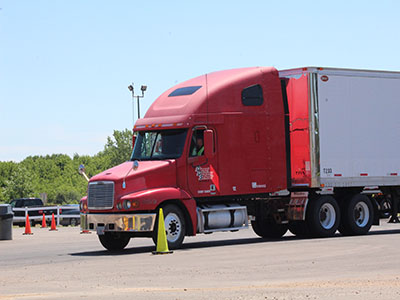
(119, 223)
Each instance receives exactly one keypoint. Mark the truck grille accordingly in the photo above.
(101, 195)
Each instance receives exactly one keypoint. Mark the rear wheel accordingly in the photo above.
(357, 216)
(323, 216)
(175, 226)
(268, 229)
(114, 241)
(299, 228)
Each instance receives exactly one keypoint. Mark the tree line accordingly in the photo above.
(57, 175)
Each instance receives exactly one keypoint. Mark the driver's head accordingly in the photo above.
(199, 141)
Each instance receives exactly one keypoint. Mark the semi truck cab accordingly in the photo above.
(236, 114)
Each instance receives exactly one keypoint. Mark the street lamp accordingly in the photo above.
(143, 88)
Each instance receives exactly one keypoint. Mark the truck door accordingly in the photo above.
(203, 178)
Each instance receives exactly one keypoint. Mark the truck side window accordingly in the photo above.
(252, 95)
(197, 143)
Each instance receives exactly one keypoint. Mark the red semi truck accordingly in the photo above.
(301, 150)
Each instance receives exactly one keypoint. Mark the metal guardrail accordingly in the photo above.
(57, 216)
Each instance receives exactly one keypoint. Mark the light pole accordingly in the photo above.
(143, 88)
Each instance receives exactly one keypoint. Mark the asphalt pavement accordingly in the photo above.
(65, 264)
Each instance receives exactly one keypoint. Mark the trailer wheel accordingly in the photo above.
(175, 226)
(268, 229)
(114, 241)
(358, 215)
(323, 216)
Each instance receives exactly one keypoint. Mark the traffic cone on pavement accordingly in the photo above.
(27, 226)
(44, 225)
(53, 223)
(162, 244)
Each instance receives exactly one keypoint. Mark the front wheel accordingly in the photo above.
(114, 241)
(73, 222)
(175, 226)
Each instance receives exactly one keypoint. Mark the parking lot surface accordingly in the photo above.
(65, 264)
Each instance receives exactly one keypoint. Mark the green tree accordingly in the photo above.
(19, 185)
(6, 170)
(118, 148)
(57, 174)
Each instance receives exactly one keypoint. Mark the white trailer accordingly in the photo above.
(344, 135)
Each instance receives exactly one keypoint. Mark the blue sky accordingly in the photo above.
(65, 65)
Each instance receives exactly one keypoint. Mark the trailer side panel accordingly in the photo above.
(359, 129)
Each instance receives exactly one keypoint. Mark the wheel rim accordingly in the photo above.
(173, 227)
(361, 214)
(327, 216)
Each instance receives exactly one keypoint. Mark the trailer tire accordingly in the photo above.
(268, 229)
(114, 241)
(358, 216)
(323, 216)
(175, 226)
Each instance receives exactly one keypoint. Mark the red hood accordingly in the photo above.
(149, 174)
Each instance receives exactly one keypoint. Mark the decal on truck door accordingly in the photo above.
(204, 173)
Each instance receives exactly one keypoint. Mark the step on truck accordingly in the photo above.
(304, 150)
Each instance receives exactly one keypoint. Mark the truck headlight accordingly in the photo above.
(127, 204)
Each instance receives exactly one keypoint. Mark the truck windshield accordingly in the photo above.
(156, 145)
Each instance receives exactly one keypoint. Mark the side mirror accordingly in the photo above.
(82, 172)
(209, 143)
(81, 169)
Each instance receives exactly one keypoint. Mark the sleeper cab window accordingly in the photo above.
(252, 95)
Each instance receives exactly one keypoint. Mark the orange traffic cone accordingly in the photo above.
(44, 225)
(27, 226)
(53, 223)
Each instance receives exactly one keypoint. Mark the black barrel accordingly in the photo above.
(6, 221)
